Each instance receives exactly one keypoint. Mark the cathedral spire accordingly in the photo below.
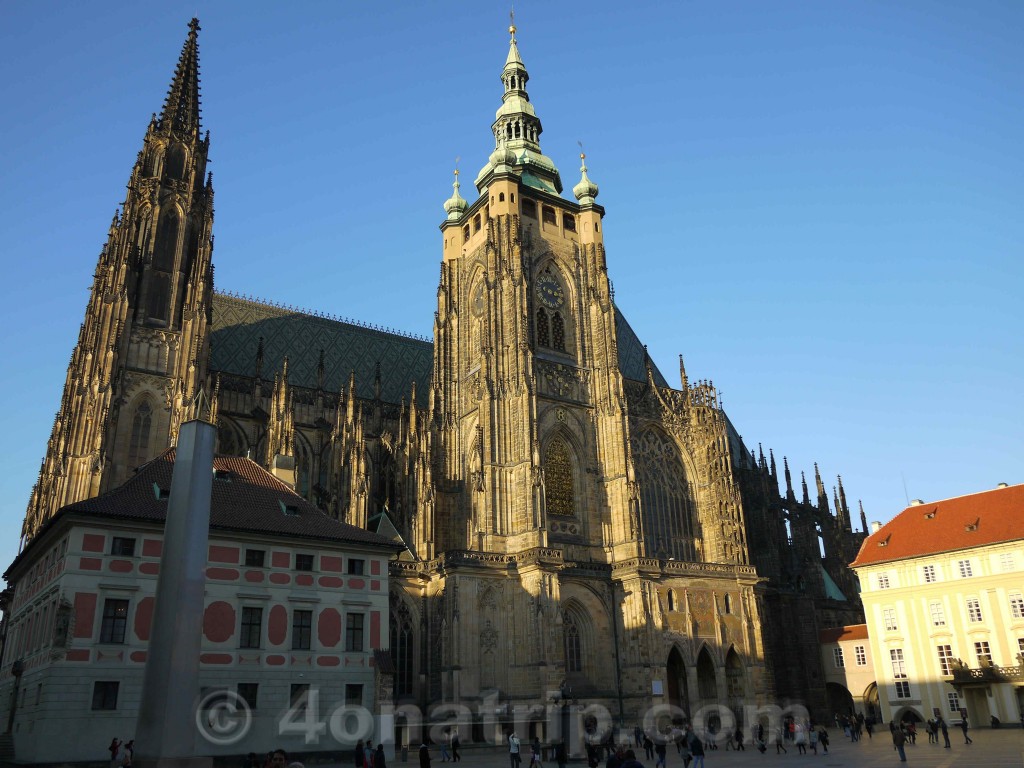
(181, 108)
(517, 131)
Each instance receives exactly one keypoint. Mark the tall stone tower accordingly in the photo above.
(583, 535)
(525, 367)
(142, 348)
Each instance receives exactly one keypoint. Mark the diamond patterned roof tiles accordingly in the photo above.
(239, 323)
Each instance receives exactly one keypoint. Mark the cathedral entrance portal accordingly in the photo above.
(675, 671)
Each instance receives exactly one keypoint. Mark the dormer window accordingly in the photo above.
(161, 494)
(290, 509)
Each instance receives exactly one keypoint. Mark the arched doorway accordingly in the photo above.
(735, 685)
(871, 708)
(840, 700)
(707, 681)
(908, 715)
(678, 693)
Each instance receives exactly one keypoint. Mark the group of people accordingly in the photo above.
(122, 753)
(803, 735)
(451, 740)
(855, 725)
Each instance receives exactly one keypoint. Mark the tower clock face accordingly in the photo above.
(550, 293)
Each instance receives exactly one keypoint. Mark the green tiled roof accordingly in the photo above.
(239, 323)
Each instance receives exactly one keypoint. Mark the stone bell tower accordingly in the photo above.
(527, 383)
(142, 348)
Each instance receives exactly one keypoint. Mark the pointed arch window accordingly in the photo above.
(543, 328)
(573, 645)
(174, 162)
(166, 241)
(557, 332)
(142, 423)
(402, 649)
(559, 484)
(669, 509)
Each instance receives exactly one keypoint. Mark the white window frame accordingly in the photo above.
(883, 581)
(974, 614)
(889, 618)
(945, 659)
(964, 566)
(938, 613)
(837, 657)
(1017, 605)
(953, 700)
(930, 576)
(861, 654)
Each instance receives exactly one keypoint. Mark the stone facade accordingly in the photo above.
(573, 522)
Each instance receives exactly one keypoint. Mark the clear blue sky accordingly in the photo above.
(818, 204)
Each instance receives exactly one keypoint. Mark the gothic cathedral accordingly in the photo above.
(572, 522)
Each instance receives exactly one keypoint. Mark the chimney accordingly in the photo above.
(916, 502)
(1002, 485)
(283, 468)
(875, 526)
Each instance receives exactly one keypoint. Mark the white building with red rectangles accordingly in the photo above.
(296, 604)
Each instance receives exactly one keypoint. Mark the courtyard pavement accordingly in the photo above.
(1001, 748)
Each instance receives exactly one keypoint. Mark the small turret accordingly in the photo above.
(586, 190)
(455, 205)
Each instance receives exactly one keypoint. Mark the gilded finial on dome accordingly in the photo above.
(512, 23)
(455, 205)
(586, 190)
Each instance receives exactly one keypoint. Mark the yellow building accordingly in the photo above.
(943, 592)
(850, 680)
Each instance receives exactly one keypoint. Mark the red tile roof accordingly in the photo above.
(989, 517)
(246, 498)
(838, 634)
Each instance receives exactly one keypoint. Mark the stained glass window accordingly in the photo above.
(573, 649)
(668, 505)
(401, 648)
(138, 448)
(558, 479)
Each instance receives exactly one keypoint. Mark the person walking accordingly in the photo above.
(739, 739)
(779, 746)
(648, 747)
(660, 750)
(812, 740)
(424, 755)
(535, 753)
(456, 757)
(697, 750)
(445, 757)
(945, 731)
(800, 738)
(963, 727)
(378, 757)
(823, 739)
(899, 739)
